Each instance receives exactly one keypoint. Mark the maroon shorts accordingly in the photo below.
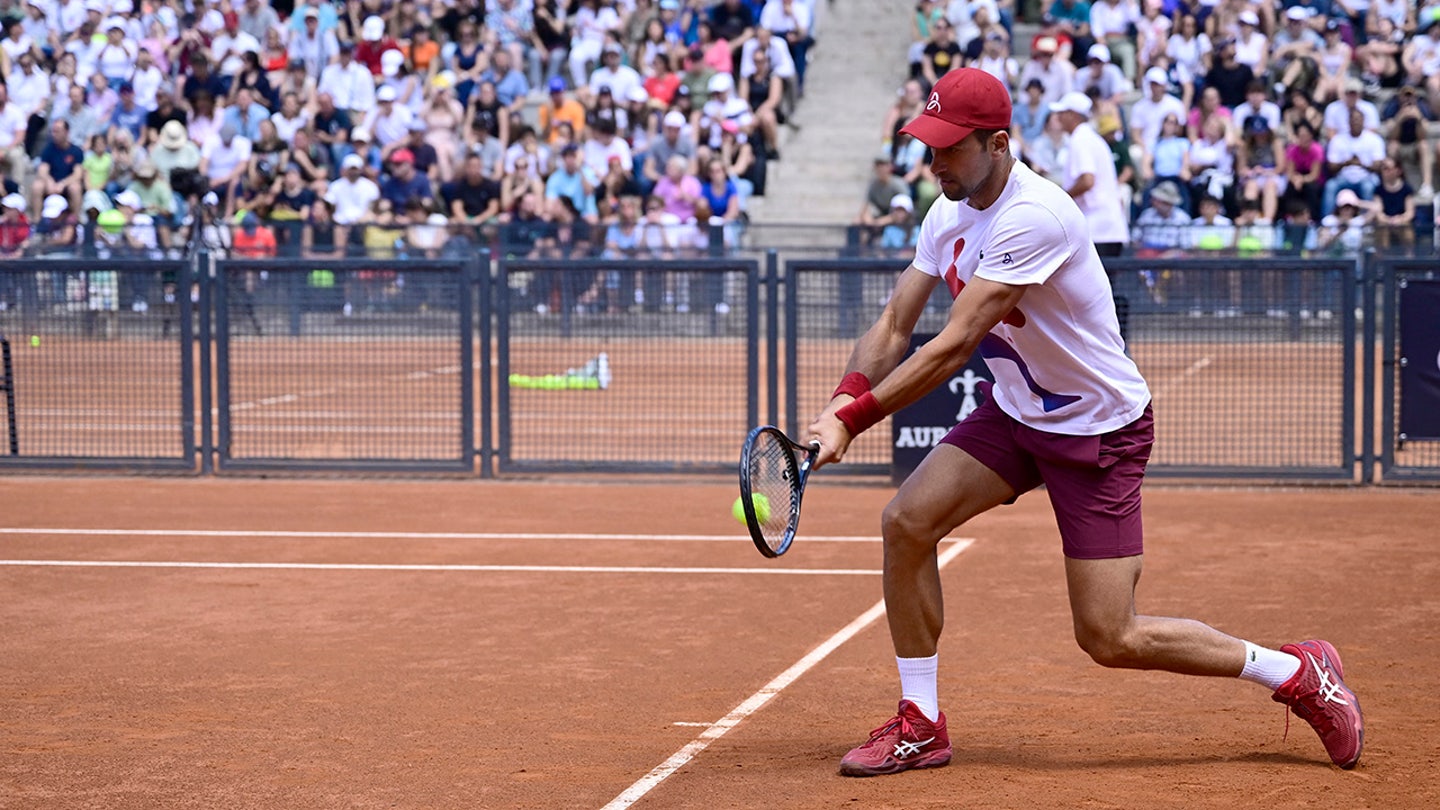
(1093, 481)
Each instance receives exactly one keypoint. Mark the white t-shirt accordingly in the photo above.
(224, 159)
(1090, 154)
(352, 199)
(1058, 360)
(1368, 147)
(1147, 115)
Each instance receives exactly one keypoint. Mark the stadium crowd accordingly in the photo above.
(1231, 124)
(301, 126)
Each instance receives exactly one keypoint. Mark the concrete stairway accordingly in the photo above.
(854, 73)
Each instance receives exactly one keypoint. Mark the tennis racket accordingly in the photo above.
(772, 479)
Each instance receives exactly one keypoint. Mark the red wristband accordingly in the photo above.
(853, 384)
(864, 413)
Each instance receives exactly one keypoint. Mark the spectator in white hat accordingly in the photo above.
(899, 230)
(352, 196)
(1251, 46)
(1293, 55)
(389, 121)
(1147, 113)
(1110, 24)
(724, 106)
(1056, 75)
(1099, 72)
(57, 226)
(675, 139)
(374, 42)
(620, 78)
(1089, 175)
(14, 226)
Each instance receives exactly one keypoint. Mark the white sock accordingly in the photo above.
(918, 684)
(1267, 667)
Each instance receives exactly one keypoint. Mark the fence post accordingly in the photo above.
(185, 311)
(465, 282)
(500, 448)
(1388, 338)
(792, 351)
(1370, 312)
(772, 336)
(752, 344)
(487, 440)
(7, 375)
(1349, 303)
(221, 301)
(204, 262)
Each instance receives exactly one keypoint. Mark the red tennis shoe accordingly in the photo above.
(907, 741)
(1318, 695)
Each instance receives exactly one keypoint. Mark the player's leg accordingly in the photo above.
(948, 488)
(976, 467)
(1098, 511)
(1107, 628)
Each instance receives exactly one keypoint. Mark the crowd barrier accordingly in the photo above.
(1283, 368)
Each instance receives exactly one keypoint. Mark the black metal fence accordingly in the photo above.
(101, 364)
(1276, 368)
(1408, 452)
(1251, 363)
(345, 365)
(626, 366)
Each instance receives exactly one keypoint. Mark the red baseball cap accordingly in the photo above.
(402, 156)
(964, 100)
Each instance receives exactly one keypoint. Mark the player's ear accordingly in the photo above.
(1000, 141)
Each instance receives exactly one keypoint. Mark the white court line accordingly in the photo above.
(684, 538)
(1193, 369)
(564, 569)
(753, 703)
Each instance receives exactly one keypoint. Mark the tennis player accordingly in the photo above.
(1068, 410)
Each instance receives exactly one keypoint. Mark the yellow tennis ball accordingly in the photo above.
(762, 508)
(35, 341)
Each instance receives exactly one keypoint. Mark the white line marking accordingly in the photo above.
(688, 723)
(565, 569)
(69, 532)
(753, 703)
(1193, 369)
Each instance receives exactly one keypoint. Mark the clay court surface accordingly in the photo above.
(550, 644)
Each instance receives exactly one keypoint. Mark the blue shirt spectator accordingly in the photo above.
(569, 181)
(404, 184)
(62, 160)
(246, 117)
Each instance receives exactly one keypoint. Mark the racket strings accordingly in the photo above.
(774, 474)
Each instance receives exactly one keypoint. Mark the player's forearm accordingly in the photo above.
(879, 350)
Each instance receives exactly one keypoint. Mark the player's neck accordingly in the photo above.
(994, 185)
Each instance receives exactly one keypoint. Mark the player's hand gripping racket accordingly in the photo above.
(772, 479)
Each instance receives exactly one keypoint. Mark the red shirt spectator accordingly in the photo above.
(374, 42)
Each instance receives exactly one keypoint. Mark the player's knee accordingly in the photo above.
(1116, 647)
(905, 529)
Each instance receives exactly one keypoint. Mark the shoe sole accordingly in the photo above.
(936, 759)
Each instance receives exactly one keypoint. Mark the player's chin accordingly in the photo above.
(954, 193)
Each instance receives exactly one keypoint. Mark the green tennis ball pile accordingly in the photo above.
(762, 508)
